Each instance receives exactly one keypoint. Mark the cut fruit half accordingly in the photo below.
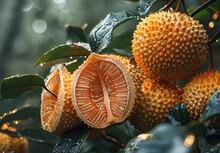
(57, 113)
(103, 92)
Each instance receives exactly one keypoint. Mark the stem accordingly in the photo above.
(168, 5)
(215, 37)
(178, 6)
(184, 7)
(200, 8)
(50, 92)
(109, 138)
(212, 66)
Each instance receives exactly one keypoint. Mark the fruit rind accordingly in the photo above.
(158, 99)
(60, 115)
(170, 45)
(198, 91)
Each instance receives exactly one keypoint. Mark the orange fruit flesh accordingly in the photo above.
(57, 113)
(101, 91)
(50, 107)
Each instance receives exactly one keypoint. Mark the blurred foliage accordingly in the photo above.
(30, 27)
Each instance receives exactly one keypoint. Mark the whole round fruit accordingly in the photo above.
(170, 45)
(57, 112)
(158, 99)
(198, 91)
(103, 92)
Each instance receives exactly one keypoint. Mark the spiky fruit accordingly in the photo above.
(103, 91)
(136, 74)
(170, 45)
(159, 98)
(12, 144)
(198, 91)
(57, 112)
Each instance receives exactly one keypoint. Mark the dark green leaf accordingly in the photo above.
(38, 135)
(72, 142)
(144, 6)
(212, 108)
(134, 143)
(76, 33)
(72, 66)
(101, 36)
(179, 115)
(123, 132)
(209, 142)
(14, 86)
(214, 6)
(212, 135)
(10, 133)
(166, 139)
(62, 51)
(26, 112)
(122, 52)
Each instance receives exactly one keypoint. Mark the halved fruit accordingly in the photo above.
(57, 113)
(103, 92)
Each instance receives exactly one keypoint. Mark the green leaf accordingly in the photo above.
(72, 66)
(134, 143)
(209, 142)
(144, 6)
(23, 113)
(212, 108)
(10, 133)
(14, 86)
(101, 36)
(123, 132)
(214, 6)
(38, 135)
(62, 51)
(179, 115)
(166, 139)
(76, 33)
(72, 141)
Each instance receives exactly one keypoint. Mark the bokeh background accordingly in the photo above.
(28, 28)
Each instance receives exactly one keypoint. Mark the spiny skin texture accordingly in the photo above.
(103, 91)
(136, 74)
(138, 77)
(58, 114)
(198, 91)
(159, 98)
(170, 45)
(12, 144)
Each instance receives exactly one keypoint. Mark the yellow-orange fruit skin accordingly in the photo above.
(170, 45)
(158, 99)
(12, 144)
(57, 114)
(96, 74)
(198, 91)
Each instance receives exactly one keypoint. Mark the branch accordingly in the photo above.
(215, 37)
(168, 5)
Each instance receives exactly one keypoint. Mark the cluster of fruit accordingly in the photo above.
(107, 89)
(12, 144)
